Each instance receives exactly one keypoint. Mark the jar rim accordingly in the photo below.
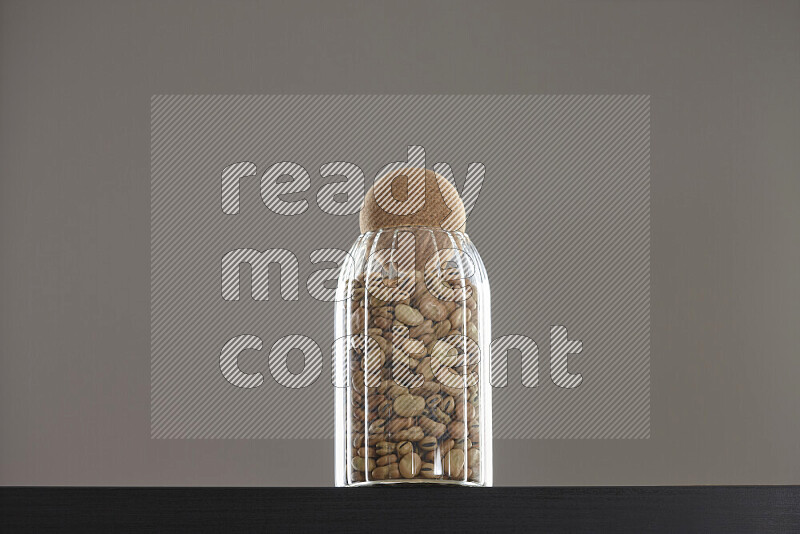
(414, 227)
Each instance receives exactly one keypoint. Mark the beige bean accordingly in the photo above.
(428, 443)
(425, 328)
(397, 424)
(473, 379)
(409, 405)
(419, 283)
(408, 315)
(453, 391)
(427, 389)
(433, 401)
(384, 447)
(375, 399)
(471, 302)
(385, 345)
(384, 410)
(410, 465)
(453, 463)
(474, 431)
(401, 358)
(383, 387)
(456, 429)
(465, 412)
(374, 359)
(368, 452)
(444, 353)
(440, 416)
(432, 309)
(441, 329)
(473, 457)
(427, 471)
(386, 312)
(376, 438)
(463, 444)
(386, 472)
(375, 302)
(378, 426)
(431, 427)
(436, 286)
(456, 318)
(404, 375)
(472, 332)
(427, 339)
(447, 446)
(372, 380)
(360, 463)
(424, 368)
(404, 447)
(414, 433)
(357, 319)
(358, 380)
(407, 344)
(475, 473)
(395, 391)
(448, 404)
(384, 323)
(386, 460)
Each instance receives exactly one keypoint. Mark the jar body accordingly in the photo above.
(413, 399)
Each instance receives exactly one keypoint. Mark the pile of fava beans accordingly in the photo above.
(414, 401)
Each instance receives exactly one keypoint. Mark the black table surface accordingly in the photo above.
(404, 509)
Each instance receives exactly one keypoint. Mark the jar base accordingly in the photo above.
(412, 481)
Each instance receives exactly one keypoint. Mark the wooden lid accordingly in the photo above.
(412, 197)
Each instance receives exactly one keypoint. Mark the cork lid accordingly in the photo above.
(412, 197)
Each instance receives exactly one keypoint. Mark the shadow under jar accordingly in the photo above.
(413, 399)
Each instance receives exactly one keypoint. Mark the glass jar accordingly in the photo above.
(413, 399)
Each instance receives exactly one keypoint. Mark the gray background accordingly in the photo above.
(76, 80)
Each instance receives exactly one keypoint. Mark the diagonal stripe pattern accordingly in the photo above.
(562, 221)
